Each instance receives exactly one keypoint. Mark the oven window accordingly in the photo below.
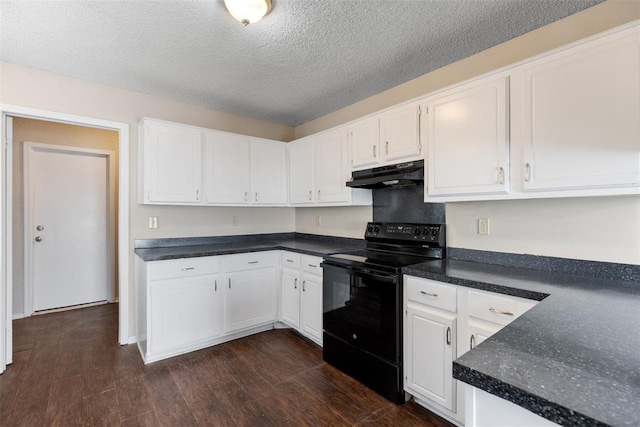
(364, 310)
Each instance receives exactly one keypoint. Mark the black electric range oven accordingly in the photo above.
(362, 302)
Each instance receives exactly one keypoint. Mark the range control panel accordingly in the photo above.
(431, 233)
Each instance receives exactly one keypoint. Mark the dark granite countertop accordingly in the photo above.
(303, 244)
(574, 358)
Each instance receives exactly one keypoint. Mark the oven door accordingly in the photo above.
(363, 308)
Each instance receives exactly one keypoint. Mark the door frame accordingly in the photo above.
(29, 181)
(6, 310)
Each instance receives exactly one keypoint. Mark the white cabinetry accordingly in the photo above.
(172, 158)
(391, 137)
(251, 289)
(268, 172)
(364, 138)
(467, 139)
(319, 170)
(301, 171)
(290, 289)
(311, 298)
(400, 133)
(443, 322)
(301, 294)
(429, 345)
(226, 160)
(331, 166)
(580, 116)
(188, 304)
(180, 306)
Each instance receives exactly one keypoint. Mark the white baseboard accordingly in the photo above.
(18, 316)
(132, 340)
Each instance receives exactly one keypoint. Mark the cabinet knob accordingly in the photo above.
(527, 172)
(38, 239)
(448, 335)
(472, 342)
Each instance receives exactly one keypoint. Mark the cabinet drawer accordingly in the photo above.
(184, 267)
(429, 292)
(497, 308)
(289, 259)
(311, 264)
(251, 260)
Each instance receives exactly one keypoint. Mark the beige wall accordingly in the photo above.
(551, 227)
(29, 87)
(55, 134)
(338, 221)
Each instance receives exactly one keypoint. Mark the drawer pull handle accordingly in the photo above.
(448, 335)
(313, 266)
(289, 260)
(188, 268)
(215, 286)
(252, 262)
(295, 283)
(429, 294)
(472, 342)
(229, 282)
(303, 289)
(493, 310)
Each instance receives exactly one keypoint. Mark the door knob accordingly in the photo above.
(38, 239)
(40, 228)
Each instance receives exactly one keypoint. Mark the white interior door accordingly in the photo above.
(67, 207)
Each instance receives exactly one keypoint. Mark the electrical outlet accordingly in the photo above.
(235, 220)
(153, 222)
(483, 226)
(318, 220)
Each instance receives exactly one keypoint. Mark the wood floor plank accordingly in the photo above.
(71, 371)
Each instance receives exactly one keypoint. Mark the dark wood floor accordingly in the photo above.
(68, 370)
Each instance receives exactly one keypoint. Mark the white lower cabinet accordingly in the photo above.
(442, 322)
(187, 304)
(429, 340)
(185, 310)
(251, 290)
(301, 294)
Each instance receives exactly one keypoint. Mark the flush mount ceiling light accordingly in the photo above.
(248, 11)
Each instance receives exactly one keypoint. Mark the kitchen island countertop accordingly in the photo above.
(574, 358)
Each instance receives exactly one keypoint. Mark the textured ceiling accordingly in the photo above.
(305, 59)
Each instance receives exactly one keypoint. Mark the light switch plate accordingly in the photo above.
(153, 222)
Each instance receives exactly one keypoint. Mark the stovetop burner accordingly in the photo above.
(391, 246)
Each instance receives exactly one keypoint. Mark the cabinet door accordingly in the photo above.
(468, 140)
(226, 169)
(301, 171)
(251, 298)
(331, 160)
(172, 164)
(400, 133)
(429, 355)
(311, 306)
(184, 311)
(269, 172)
(478, 332)
(290, 293)
(581, 113)
(364, 139)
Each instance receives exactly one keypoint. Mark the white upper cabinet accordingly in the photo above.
(400, 133)
(172, 163)
(301, 171)
(331, 165)
(388, 138)
(468, 144)
(227, 179)
(581, 109)
(319, 169)
(268, 172)
(364, 138)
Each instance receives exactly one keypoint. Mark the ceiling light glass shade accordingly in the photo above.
(248, 11)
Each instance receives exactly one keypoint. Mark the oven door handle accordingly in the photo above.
(390, 277)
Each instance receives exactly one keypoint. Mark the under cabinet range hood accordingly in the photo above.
(392, 176)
